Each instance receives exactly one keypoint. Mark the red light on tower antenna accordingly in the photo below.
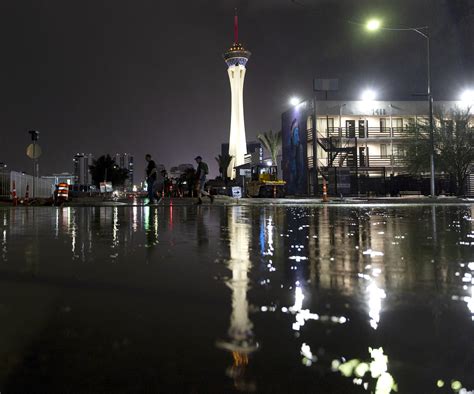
(236, 28)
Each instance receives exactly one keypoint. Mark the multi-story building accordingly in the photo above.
(81, 171)
(125, 161)
(357, 147)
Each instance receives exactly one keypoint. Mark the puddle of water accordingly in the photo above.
(222, 299)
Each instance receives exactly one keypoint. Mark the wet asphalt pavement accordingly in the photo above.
(221, 299)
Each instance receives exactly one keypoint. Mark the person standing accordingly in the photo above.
(151, 176)
(201, 173)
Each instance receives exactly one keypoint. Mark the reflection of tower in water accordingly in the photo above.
(240, 336)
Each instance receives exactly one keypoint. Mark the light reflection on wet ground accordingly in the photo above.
(222, 299)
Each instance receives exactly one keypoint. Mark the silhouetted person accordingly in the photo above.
(151, 176)
(201, 173)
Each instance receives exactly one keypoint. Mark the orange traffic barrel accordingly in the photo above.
(63, 191)
(325, 191)
(14, 196)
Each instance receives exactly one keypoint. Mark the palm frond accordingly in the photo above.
(271, 142)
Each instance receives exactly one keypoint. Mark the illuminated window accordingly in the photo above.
(397, 123)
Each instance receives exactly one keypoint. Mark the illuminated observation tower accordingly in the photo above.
(236, 58)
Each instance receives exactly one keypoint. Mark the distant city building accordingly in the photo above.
(125, 161)
(64, 177)
(81, 172)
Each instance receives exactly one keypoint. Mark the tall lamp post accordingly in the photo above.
(423, 31)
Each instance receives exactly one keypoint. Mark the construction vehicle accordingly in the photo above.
(265, 183)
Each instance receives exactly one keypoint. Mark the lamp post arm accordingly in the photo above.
(418, 30)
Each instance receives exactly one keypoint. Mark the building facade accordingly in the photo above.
(125, 161)
(356, 147)
(81, 171)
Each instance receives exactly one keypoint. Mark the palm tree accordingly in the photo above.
(223, 162)
(272, 143)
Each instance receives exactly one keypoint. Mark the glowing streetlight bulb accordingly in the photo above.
(294, 101)
(468, 96)
(373, 25)
(368, 95)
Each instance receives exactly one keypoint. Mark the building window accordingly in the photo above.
(329, 123)
(383, 125)
(397, 124)
(383, 151)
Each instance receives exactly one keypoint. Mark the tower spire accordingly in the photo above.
(236, 58)
(236, 27)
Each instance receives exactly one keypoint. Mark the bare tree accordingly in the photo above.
(453, 143)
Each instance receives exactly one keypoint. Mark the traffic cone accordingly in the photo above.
(27, 194)
(14, 196)
(325, 191)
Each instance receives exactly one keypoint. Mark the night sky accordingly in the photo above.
(148, 76)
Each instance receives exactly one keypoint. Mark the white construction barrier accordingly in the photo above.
(44, 188)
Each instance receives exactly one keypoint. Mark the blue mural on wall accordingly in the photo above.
(294, 150)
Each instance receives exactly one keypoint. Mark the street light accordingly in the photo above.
(368, 95)
(423, 31)
(294, 101)
(467, 97)
(373, 25)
